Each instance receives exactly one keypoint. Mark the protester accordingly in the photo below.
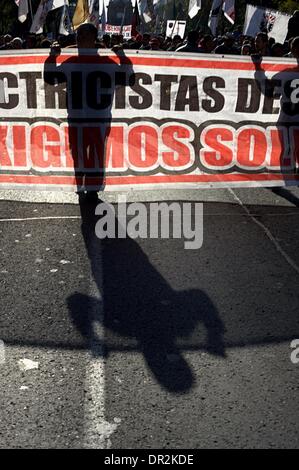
(262, 44)
(277, 50)
(195, 42)
(293, 25)
(145, 43)
(45, 44)
(154, 44)
(15, 43)
(246, 49)
(227, 46)
(106, 41)
(175, 43)
(5, 41)
(294, 48)
(191, 44)
(206, 44)
(30, 41)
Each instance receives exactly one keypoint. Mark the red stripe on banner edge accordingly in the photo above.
(150, 61)
(151, 179)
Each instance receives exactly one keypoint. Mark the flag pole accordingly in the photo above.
(177, 15)
(123, 18)
(30, 8)
(198, 24)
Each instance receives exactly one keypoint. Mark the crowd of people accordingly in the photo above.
(234, 43)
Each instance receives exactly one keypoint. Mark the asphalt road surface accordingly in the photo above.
(142, 343)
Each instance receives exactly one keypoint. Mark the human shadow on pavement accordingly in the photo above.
(138, 303)
(287, 195)
(282, 87)
(84, 84)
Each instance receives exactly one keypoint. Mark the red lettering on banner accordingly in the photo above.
(251, 148)
(4, 156)
(71, 147)
(19, 146)
(115, 148)
(143, 147)
(277, 156)
(45, 147)
(181, 154)
(221, 156)
(93, 147)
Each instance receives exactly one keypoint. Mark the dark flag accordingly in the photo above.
(135, 21)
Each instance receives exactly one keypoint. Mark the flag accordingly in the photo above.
(158, 3)
(259, 19)
(94, 12)
(103, 14)
(135, 20)
(194, 7)
(41, 14)
(81, 14)
(229, 10)
(145, 12)
(123, 17)
(214, 15)
(159, 23)
(65, 27)
(22, 10)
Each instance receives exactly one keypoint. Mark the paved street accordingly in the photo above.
(141, 343)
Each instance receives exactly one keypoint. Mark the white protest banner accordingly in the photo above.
(147, 120)
(125, 30)
(175, 28)
(274, 23)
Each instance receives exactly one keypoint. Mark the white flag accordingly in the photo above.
(279, 30)
(41, 14)
(194, 7)
(144, 11)
(158, 3)
(258, 19)
(22, 10)
(229, 10)
(214, 15)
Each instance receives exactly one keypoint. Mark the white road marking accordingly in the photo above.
(25, 219)
(2, 352)
(267, 232)
(27, 364)
(207, 214)
(97, 430)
